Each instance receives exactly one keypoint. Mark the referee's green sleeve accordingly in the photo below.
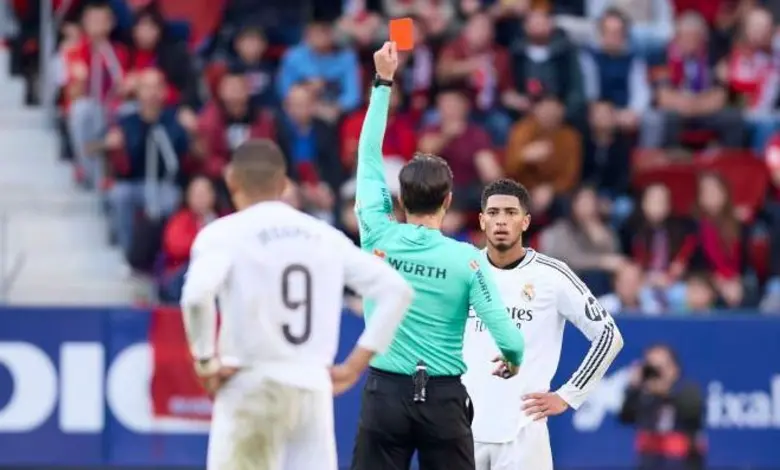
(488, 306)
(373, 202)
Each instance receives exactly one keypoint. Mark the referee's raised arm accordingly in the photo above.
(373, 202)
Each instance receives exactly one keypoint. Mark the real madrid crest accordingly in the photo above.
(528, 292)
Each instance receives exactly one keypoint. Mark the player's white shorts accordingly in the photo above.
(260, 424)
(530, 451)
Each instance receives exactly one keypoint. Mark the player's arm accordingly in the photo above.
(580, 307)
(373, 202)
(209, 267)
(373, 279)
(488, 306)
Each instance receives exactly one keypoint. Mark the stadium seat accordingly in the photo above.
(680, 179)
(746, 175)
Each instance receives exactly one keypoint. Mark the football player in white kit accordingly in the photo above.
(541, 294)
(279, 276)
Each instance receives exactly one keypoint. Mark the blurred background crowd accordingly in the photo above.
(645, 130)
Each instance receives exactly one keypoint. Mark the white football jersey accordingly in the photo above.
(540, 294)
(279, 277)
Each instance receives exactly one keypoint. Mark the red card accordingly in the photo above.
(402, 33)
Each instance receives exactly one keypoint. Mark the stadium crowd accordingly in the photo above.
(646, 130)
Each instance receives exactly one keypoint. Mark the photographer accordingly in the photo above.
(667, 412)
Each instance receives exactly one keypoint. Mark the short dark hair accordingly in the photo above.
(613, 12)
(96, 5)
(425, 183)
(507, 187)
(257, 163)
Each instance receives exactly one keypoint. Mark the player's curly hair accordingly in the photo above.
(507, 187)
(425, 183)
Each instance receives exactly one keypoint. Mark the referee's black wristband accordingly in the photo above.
(379, 81)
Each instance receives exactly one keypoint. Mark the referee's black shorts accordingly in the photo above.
(392, 426)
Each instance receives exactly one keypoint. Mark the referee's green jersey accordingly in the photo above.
(448, 276)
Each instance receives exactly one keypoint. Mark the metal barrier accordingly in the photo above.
(9, 269)
(48, 32)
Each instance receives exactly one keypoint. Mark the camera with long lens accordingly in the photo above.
(650, 372)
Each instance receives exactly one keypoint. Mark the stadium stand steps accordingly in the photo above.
(54, 233)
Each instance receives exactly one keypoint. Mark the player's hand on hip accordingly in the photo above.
(542, 405)
(386, 60)
(504, 369)
(344, 377)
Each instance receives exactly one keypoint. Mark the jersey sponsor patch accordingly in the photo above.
(379, 253)
(474, 265)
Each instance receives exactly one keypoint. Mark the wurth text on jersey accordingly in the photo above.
(417, 269)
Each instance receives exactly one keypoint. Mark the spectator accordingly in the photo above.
(700, 296)
(543, 150)
(630, 294)
(652, 23)
(662, 245)
(720, 237)
(465, 145)
(96, 72)
(360, 26)
(416, 73)
(612, 73)
(332, 72)
(311, 145)
(585, 242)
(400, 137)
(690, 97)
(283, 20)
(439, 18)
(149, 146)
(606, 164)
(751, 73)
(153, 48)
(228, 121)
(547, 65)
(250, 60)
(771, 216)
(666, 410)
(476, 63)
(179, 234)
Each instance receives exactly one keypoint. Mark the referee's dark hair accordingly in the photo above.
(426, 181)
(507, 187)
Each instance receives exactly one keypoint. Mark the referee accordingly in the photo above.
(413, 399)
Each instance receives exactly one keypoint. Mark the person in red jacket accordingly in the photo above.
(720, 237)
(180, 232)
(226, 122)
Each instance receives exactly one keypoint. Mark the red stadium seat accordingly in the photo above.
(203, 16)
(679, 178)
(746, 175)
(698, 138)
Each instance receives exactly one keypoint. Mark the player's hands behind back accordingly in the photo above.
(213, 375)
(386, 61)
